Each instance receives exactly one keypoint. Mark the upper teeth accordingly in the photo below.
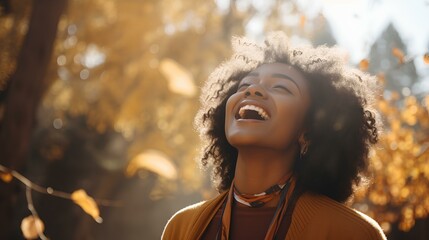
(260, 111)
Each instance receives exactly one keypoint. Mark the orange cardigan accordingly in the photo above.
(315, 217)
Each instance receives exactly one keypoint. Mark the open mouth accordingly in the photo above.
(252, 112)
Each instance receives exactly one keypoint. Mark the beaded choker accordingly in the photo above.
(259, 199)
(284, 188)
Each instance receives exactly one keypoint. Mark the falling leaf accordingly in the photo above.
(426, 58)
(364, 64)
(6, 177)
(31, 227)
(302, 21)
(154, 161)
(87, 203)
(179, 79)
(399, 54)
(395, 96)
(381, 78)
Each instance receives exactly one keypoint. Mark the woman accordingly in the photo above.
(288, 132)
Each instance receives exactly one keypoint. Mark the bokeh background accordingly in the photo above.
(100, 96)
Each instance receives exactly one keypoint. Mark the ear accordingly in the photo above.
(303, 143)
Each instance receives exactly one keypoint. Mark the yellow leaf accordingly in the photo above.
(179, 79)
(395, 96)
(302, 21)
(364, 64)
(395, 124)
(385, 226)
(381, 78)
(87, 203)
(399, 54)
(383, 106)
(426, 58)
(154, 161)
(31, 227)
(6, 177)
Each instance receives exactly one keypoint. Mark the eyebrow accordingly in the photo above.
(277, 75)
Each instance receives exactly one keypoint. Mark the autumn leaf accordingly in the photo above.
(6, 177)
(179, 79)
(154, 161)
(381, 78)
(395, 96)
(364, 64)
(31, 227)
(87, 203)
(399, 54)
(426, 58)
(302, 21)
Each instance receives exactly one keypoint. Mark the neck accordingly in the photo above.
(258, 169)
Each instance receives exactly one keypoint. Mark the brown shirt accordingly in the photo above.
(315, 217)
(246, 223)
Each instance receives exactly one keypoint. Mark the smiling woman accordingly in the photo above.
(288, 132)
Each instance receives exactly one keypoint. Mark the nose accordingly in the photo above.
(255, 90)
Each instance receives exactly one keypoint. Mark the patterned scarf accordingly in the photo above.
(284, 188)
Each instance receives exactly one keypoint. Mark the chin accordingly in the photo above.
(242, 140)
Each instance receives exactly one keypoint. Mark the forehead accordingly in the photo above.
(268, 69)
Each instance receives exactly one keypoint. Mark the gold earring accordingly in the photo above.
(304, 148)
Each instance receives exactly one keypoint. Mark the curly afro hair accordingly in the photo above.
(342, 125)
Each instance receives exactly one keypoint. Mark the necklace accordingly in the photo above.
(259, 199)
(285, 190)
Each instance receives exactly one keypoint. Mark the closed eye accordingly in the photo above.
(283, 88)
(242, 86)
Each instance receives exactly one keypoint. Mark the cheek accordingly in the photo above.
(290, 120)
(232, 101)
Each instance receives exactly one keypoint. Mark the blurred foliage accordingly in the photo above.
(130, 67)
(12, 30)
(133, 68)
(399, 164)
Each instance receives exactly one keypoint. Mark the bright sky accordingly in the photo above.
(356, 24)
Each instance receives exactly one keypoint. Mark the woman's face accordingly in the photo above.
(268, 108)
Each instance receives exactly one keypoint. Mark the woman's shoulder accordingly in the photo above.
(336, 219)
(188, 219)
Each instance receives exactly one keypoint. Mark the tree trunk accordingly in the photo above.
(26, 87)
